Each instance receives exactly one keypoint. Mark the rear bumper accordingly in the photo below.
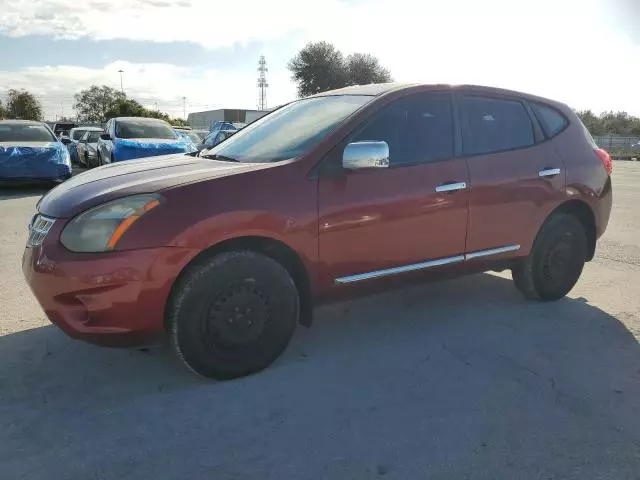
(113, 299)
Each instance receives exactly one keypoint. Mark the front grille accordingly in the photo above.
(38, 229)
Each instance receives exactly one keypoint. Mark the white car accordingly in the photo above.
(87, 147)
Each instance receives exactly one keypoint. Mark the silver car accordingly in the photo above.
(88, 147)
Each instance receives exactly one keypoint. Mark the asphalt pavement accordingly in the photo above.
(462, 379)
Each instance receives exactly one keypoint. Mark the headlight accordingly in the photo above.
(100, 228)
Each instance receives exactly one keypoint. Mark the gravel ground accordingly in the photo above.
(459, 379)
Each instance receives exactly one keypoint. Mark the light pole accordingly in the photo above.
(184, 107)
(121, 87)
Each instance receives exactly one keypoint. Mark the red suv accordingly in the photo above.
(331, 196)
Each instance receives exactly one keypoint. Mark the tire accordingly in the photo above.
(98, 160)
(233, 314)
(86, 161)
(556, 260)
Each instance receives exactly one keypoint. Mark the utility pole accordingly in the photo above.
(184, 107)
(262, 83)
(121, 87)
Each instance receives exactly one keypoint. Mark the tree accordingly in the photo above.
(126, 107)
(22, 105)
(318, 67)
(178, 122)
(363, 69)
(93, 103)
(2, 112)
(610, 123)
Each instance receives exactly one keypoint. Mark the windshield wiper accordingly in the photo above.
(216, 156)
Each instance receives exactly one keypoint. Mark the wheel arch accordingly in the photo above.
(583, 212)
(275, 249)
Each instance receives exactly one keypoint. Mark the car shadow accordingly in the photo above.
(451, 379)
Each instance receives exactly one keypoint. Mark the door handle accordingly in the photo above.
(451, 187)
(549, 172)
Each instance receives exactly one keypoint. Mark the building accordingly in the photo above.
(202, 120)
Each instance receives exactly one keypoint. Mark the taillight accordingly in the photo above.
(605, 158)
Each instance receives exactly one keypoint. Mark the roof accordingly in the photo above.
(139, 118)
(21, 122)
(374, 89)
(382, 88)
(89, 129)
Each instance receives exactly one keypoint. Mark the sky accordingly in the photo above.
(585, 53)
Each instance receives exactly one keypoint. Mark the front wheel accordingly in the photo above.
(556, 260)
(233, 314)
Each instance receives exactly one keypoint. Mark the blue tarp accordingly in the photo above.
(132, 149)
(49, 162)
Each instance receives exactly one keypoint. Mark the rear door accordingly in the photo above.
(516, 176)
(408, 217)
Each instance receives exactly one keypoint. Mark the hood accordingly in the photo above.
(120, 179)
(34, 160)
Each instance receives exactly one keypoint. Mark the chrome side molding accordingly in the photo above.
(395, 270)
(492, 251)
(424, 265)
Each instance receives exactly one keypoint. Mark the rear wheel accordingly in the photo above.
(556, 260)
(233, 314)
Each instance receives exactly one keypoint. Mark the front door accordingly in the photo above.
(410, 216)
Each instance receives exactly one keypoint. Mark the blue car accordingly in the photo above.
(129, 138)
(30, 151)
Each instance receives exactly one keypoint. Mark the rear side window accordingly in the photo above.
(552, 121)
(494, 125)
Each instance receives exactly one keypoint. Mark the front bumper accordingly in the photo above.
(111, 299)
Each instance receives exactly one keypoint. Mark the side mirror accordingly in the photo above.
(65, 140)
(364, 155)
(105, 136)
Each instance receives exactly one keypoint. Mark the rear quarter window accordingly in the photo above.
(552, 121)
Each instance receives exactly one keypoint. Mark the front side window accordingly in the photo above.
(144, 128)
(290, 131)
(93, 137)
(417, 128)
(77, 134)
(494, 125)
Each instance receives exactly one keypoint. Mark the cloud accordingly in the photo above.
(577, 51)
(199, 21)
(150, 84)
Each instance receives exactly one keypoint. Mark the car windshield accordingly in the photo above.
(25, 133)
(144, 129)
(289, 131)
(77, 134)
